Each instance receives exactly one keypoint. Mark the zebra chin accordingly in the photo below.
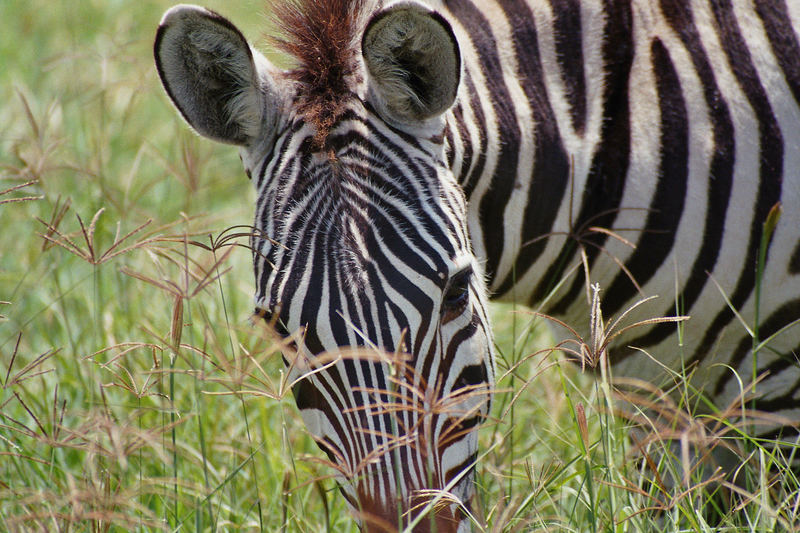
(403, 447)
(421, 510)
(386, 494)
(377, 518)
(400, 464)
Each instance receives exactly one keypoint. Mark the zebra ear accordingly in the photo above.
(413, 61)
(218, 83)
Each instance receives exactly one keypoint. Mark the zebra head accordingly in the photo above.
(361, 251)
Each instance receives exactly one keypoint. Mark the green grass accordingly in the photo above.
(137, 396)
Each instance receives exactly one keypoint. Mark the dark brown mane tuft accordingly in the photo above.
(322, 36)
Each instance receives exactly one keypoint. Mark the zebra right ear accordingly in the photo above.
(413, 61)
(221, 86)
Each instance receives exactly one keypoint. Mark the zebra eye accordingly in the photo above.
(456, 294)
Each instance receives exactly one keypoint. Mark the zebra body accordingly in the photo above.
(422, 157)
(676, 126)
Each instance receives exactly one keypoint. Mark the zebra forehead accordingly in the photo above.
(323, 39)
(365, 235)
(358, 218)
(350, 193)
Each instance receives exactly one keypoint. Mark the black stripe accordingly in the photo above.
(463, 335)
(339, 328)
(548, 183)
(282, 140)
(468, 180)
(449, 140)
(770, 165)
(424, 377)
(362, 397)
(300, 263)
(309, 176)
(786, 434)
(604, 186)
(569, 51)
(398, 231)
(380, 395)
(466, 147)
(455, 429)
(447, 357)
(331, 254)
(783, 39)
(336, 284)
(268, 210)
(400, 144)
(720, 179)
(667, 204)
(286, 234)
(376, 265)
(794, 263)
(493, 203)
(779, 318)
(468, 463)
(789, 401)
(307, 394)
(421, 301)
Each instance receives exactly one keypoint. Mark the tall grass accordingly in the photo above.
(136, 394)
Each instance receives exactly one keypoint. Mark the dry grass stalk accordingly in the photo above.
(21, 198)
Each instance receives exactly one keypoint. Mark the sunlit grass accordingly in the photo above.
(136, 394)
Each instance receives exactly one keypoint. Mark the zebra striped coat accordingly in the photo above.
(420, 158)
(674, 125)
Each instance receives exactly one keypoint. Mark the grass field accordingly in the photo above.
(137, 396)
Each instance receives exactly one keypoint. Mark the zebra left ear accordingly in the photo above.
(413, 61)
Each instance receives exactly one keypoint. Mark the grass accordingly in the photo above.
(137, 396)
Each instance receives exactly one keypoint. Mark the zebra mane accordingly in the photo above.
(322, 36)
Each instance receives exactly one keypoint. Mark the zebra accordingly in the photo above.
(422, 157)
